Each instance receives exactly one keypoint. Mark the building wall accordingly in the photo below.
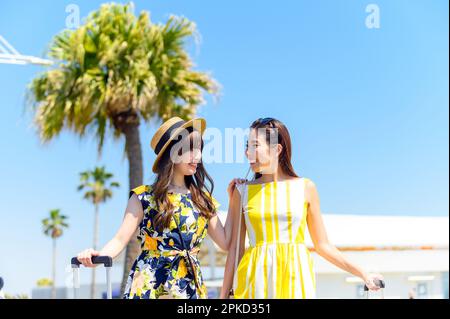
(46, 293)
(445, 285)
(84, 292)
(397, 286)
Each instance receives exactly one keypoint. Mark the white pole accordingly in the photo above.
(9, 55)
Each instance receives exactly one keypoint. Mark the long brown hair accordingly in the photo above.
(200, 186)
(272, 125)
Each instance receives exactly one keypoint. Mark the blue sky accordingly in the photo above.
(367, 110)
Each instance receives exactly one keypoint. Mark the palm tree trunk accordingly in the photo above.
(54, 269)
(95, 248)
(135, 174)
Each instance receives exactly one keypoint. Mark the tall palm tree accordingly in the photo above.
(98, 190)
(115, 71)
(53, 226)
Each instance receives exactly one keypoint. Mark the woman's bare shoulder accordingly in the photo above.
(134, 205)
(310, 189)
(309, 183)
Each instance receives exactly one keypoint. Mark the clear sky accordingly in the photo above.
(367, 110)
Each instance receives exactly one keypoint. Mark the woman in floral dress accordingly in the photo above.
(174, 215)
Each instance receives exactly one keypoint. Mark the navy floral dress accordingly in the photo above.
(163, 266)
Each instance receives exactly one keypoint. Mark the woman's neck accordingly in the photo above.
(178, 180)
(279, 175)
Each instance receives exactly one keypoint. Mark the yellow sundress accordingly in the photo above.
(277, 264)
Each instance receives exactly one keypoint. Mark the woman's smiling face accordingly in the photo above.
(262, 156)
(188, 154)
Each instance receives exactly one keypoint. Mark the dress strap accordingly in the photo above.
(242, 191)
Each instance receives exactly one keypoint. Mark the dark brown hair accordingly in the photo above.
(272, 125)
(200, 186)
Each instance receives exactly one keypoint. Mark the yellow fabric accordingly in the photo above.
(277, 264)
(140, 189)
(215, 202)
(146, 188)
(159, 253)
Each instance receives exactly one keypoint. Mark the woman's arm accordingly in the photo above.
(219, 234)
(233, 213)
(323, 246)
(132, 218)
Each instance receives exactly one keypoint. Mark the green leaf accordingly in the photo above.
(117, 63)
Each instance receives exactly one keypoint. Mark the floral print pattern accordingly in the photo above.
(162, 268)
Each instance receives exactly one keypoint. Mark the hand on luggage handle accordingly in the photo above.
(378, 282)
(105, 260)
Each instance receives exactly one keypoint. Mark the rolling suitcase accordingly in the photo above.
(105, 260)
(379, 283)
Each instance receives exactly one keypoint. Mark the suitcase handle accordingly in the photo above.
(379, 283)
(105, 260)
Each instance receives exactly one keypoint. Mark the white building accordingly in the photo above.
(410, 252)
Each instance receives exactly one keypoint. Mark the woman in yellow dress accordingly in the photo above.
(276, 208)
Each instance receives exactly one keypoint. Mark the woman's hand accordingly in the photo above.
(232, 185)
(133, 216)
(85, 257)
(370, 280)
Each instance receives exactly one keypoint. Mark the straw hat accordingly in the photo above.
(171, 130)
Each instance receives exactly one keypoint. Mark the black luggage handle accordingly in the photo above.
(378, 282)
(105, 260)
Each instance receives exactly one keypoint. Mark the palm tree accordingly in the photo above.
(97, 191)
(115, 71)
(44, 282)
(53, 227)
